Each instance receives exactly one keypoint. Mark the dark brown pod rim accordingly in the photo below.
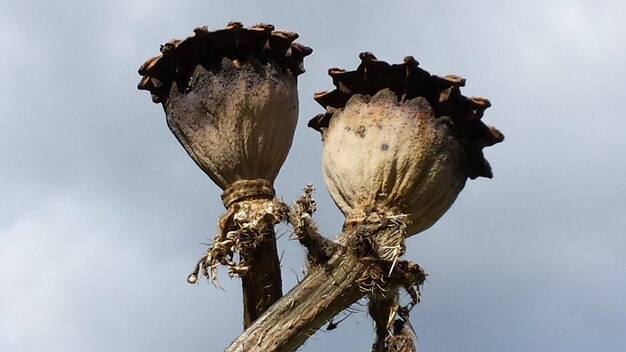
(407, 80)
(179, 58)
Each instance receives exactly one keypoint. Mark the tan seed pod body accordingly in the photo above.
(392, 158)
(399, 144)
(237, 124)
(231, 99)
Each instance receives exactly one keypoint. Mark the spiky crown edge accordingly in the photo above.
(179, 58)
(407, 80)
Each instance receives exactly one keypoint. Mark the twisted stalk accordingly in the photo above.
(340, 273)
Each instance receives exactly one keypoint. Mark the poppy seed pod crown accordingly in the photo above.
(399, 141)
(231, 100)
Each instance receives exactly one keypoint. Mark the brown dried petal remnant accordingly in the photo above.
(179, 58)
(409, 81)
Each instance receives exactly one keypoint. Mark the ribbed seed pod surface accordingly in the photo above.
(399, 142)
(230, 97)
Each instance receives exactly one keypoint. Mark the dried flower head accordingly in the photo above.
(230, 97)
(398, 140)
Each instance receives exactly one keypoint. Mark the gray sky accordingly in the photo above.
(102, 214)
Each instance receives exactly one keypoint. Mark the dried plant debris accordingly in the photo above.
(394, 331)
(382, 280)
(379, 241)
(241, 230)
(407, 80)
(382, 276)
(179, 58)
(319, 248)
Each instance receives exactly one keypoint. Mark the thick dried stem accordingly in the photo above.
(262, 283)
(251, 232)
(323, 293)
(261, 280)
(353, 270)
(247, 231)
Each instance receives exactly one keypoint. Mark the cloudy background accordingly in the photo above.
(102, 214)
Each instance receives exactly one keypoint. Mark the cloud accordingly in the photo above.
(103, 214)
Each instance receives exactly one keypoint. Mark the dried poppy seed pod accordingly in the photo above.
(395, 158)
(399, 142)
(231, 99)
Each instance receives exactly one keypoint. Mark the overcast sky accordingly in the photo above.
(103, 215)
